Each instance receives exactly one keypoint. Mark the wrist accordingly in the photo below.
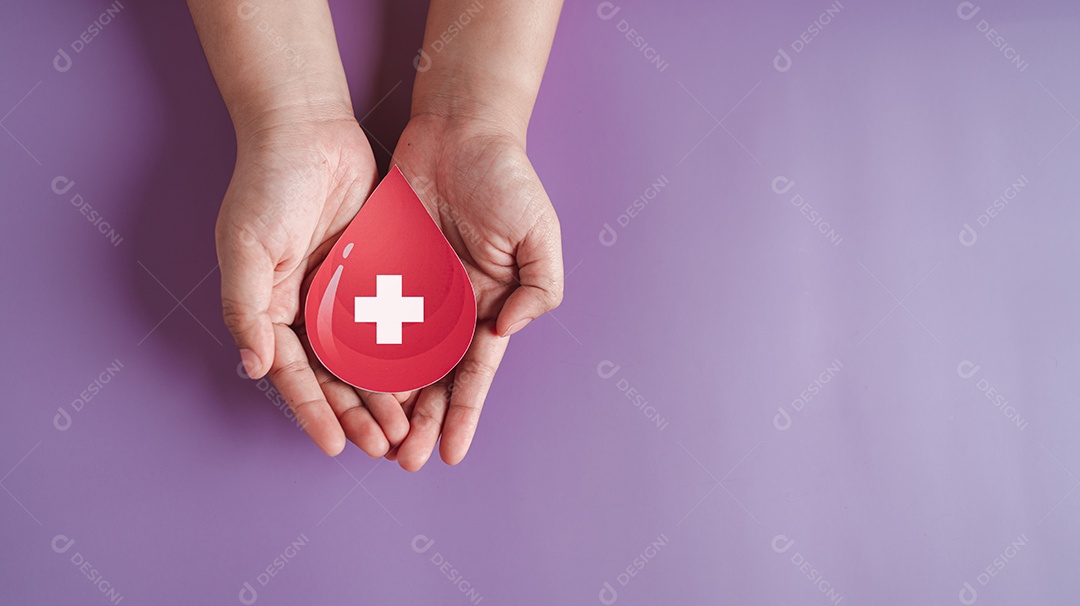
(258, 117)
(309, 136)
(468, 99)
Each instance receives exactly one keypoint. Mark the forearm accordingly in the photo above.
(275, 61)
(485, 59)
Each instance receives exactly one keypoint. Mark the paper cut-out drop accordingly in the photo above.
(391, 309)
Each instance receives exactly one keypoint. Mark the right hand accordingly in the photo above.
(297, 184)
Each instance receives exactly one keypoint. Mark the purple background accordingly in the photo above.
(720, 301)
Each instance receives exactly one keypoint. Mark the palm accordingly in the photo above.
(301, 197)
(482, 191)
(291, 196)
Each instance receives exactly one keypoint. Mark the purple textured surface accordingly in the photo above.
(790, 383)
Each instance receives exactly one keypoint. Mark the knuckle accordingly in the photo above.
(471, 370)
(553, 296)
(301, 408)
(464, 417)
(425, 420)
(237, 316)
(288, 369)
(547, 298)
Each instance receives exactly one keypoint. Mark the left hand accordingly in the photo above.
(477, 183)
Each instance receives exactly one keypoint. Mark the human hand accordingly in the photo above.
(303, 168)
(477, 183)
(296, 186)
(302, 174)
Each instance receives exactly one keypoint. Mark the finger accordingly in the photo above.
(386, 409)
(364, 431)
(356, 421)
(295, 381)
(360, 427)
(472, 379)
(540, 270)
(408, 401)
(425, 426)
(247, 280)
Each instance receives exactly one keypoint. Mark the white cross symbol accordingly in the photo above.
(388, 310)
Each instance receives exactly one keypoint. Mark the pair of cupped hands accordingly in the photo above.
(299, 179)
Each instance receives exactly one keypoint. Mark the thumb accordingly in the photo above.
(540, 268)
(247, 281)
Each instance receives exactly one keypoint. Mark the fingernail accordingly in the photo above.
(250, 361)
(516, 326)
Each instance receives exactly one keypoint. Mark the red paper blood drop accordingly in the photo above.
(391, 309)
